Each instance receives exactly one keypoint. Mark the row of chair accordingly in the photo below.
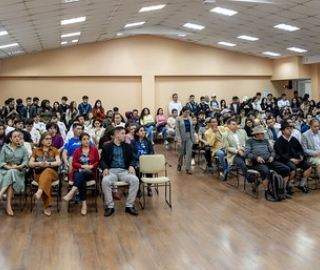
(153, 170)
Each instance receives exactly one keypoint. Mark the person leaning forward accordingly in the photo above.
(117, 162)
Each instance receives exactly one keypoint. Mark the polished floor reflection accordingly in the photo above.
(211, 226)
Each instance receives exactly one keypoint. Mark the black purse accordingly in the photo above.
(39, 170)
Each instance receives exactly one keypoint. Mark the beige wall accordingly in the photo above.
(224, 87)
(107, 89)
(141, 71)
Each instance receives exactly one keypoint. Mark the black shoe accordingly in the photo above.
(131, 211)
(108, 212)
(210, 169)
(150, 192)
(290, 190)
(288, 196)
(268, 196)
(304, 189)
(179, 168)
(189, 171)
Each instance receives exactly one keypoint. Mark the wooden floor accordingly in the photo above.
(211, 226)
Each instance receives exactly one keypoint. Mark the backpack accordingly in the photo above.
(276, 187)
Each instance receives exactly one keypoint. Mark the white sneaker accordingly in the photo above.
(166, 142)
(193, 162)
(167, 147)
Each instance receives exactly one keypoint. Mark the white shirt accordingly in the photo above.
(171, 121)
(316, 140)
(236, 138)
(40, 126)
(35, 135)
(282, 103)
(295, 133)
(175, 105)
(8, 129)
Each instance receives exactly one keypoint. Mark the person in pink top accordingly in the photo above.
(161, 122)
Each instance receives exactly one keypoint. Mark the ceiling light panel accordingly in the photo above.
(152, 8)
(224, 43)
(3, 33)
(224, 11)
(286, 27)
(9, 45)
(71, 34)
(74, 20)
(298, 50)
(248, 38)
(194, 26)
(134, 24)
(271, 53)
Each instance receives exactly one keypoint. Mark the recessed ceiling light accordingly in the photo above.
(9, 45)
(194, 26)
(295, 49)
(3, 33)
(75, 40)
(248, 38)
(151, 8)
(286, 27)
(133, 24)
(71, 34)
(74, 20)
(224, 11)
(15, 52)
(69, 1)
(182, 35)
(227, 44)
(119, 34)
(271, 53)
(64, 42)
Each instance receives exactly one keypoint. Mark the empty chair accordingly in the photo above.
(156, 166)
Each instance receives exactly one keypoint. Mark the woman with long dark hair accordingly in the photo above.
(146, 120)
(142, 146)
(98, 111)
(84, 164)
(13, 158)
(71, 113)
(45, 111)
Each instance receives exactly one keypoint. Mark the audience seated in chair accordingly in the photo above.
(290, 152)
(84, 164)
(117, 162)
(45, 160)
(13, 158)
(262, 158)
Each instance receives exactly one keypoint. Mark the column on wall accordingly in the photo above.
(148, 92)
(315, 81)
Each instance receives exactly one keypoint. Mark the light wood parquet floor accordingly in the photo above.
(211, 226)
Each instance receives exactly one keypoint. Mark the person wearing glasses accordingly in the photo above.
(45, 160)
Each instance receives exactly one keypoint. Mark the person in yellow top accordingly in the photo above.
(147, 120)
(214, 139)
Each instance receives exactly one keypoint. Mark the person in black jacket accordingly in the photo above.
(117, 162)
(290, 152)
(141, 146)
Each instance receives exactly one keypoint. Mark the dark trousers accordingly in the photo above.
(80, 181)
(264, 169)
(239, 161)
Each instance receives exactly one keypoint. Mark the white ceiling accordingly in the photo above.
(35, 24)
